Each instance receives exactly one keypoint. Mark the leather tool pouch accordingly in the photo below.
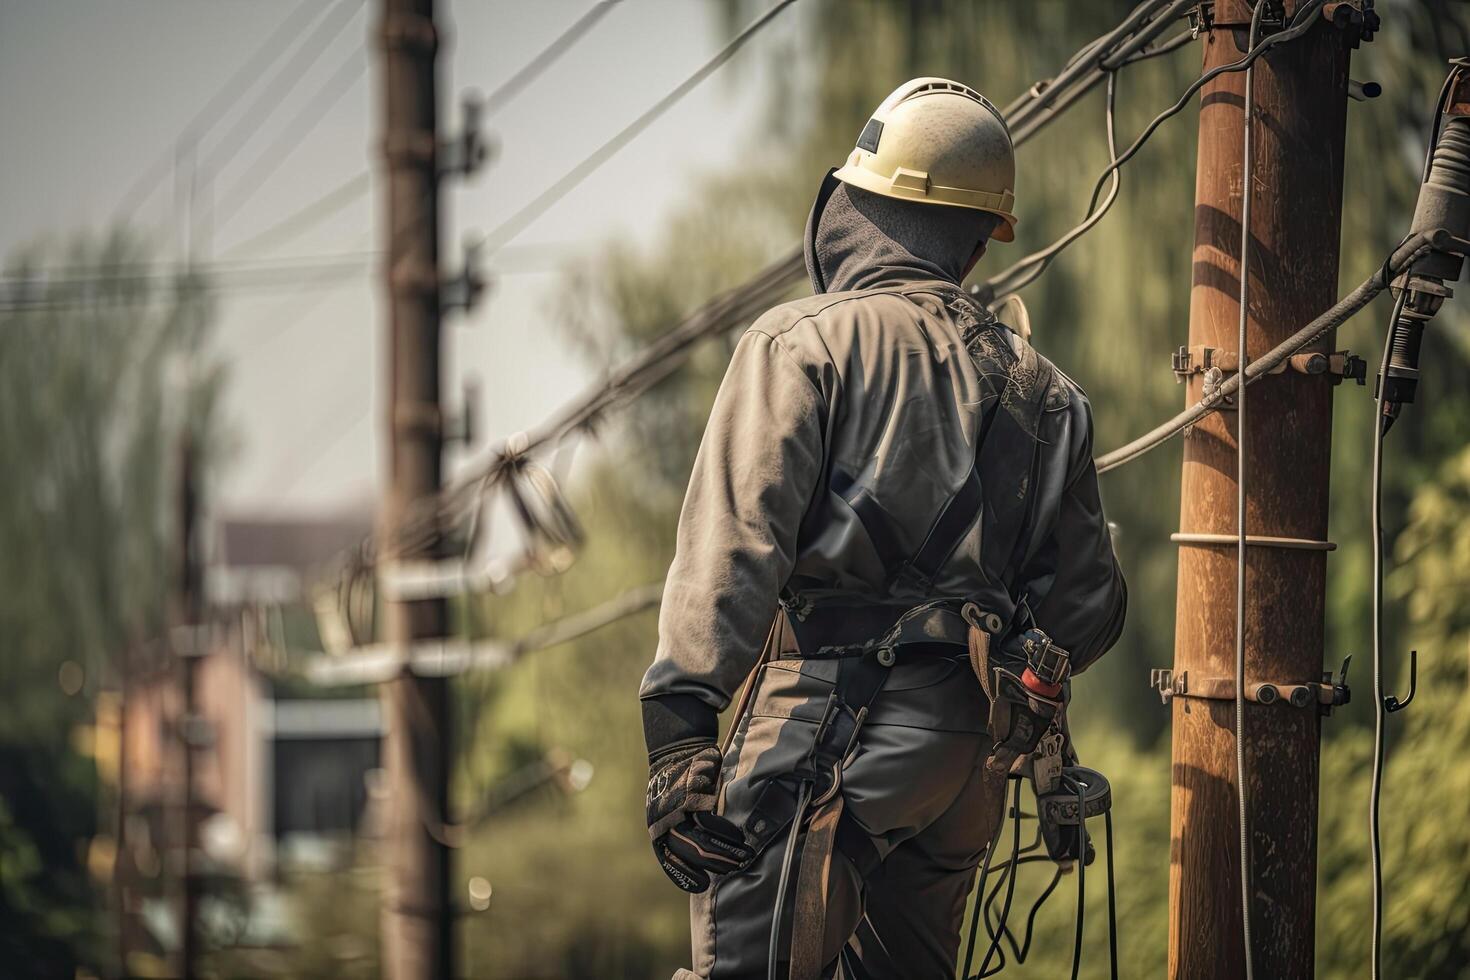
(1018, 716)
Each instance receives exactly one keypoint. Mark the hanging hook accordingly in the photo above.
(1392, 703)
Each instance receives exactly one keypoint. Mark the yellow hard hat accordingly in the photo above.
(938, 142)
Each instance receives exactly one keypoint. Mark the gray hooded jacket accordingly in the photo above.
(845, 424)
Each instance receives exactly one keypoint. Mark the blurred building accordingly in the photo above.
(284, 769)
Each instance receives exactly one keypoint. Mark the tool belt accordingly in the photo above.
(1025, 690)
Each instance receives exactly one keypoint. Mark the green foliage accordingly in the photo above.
(95, 379)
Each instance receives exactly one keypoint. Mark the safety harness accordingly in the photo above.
(867, 638)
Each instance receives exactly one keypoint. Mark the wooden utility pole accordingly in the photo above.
(1300, 100)
(187, 619)
(418, 914)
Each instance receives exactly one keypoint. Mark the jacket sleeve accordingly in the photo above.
(1073, 584)
(753, 478)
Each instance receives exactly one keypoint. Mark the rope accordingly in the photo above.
(1247, 177)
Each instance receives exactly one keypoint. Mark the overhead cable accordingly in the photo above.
(515, 84)
(1001, 285)
(229, 93)
(308, 217)
(289, 139)
(1339, 313)
(661, 358)
(273, 96)
(518, 221)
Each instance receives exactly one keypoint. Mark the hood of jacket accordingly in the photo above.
(859, 240)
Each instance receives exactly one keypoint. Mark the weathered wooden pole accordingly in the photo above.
(418, 914)
(1300, 118)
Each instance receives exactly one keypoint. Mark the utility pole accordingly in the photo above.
(188, 646)
(1300, 119)
(418, 915)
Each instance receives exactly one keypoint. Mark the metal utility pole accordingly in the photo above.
(417, 914)
(1300, 102)
(187, 636)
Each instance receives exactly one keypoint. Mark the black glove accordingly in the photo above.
(689, 839)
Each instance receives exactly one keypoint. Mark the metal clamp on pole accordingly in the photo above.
(1252, 541)
(1325, 694)
(1338, 365)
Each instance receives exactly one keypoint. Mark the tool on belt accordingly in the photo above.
(1026, 680)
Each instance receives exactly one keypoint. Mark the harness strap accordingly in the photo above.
(809, 909)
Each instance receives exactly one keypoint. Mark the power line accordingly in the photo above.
(270, 159)
(518, 221)
(230, 92)
(513, 86)
(281, 85)
(1339, 313)
(323, 207)
(652, 364)
(995, 286)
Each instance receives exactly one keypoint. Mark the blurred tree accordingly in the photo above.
(99, 369)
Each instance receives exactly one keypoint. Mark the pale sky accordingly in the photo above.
(94, 92)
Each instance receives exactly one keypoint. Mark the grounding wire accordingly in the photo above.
(533, 209)
(1247, 182)
(1375, 844)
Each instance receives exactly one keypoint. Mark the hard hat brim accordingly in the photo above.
(954, 197)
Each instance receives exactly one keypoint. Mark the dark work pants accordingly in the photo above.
(918, 789)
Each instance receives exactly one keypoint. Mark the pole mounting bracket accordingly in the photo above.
(1202, 358)
(1324, 694)
(1253, 541)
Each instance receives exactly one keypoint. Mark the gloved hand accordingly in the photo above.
(689, 839)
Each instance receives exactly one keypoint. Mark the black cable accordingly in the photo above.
(1081, 874)
(979, 896)
(1020, 950)
(533, 209)
(1037, 262)
(515, 84)
(230, 92)
(992, 288)
(1010, 885)
(1112, 896)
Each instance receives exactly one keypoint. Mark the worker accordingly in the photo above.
(894, 494)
